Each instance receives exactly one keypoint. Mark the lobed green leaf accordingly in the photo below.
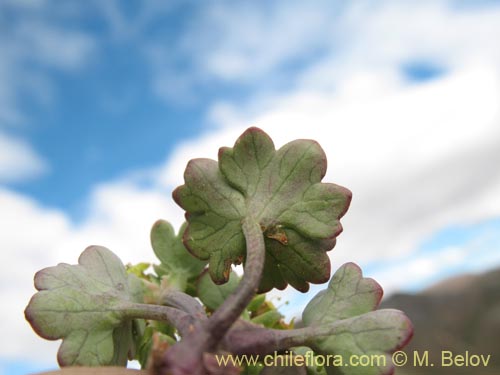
(85, 305)
(281, 190)
(213, 295)
(176, 262)
(347, 305)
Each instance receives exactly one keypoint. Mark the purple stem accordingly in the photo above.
(181, 320)
(232, 308)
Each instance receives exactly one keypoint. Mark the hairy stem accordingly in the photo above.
(184, 302)
(224, 317)
(264, 341)
(181, 320)
(248, 338)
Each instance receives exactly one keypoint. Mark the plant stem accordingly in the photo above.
(181, 320)
(224, 317)
(184, 302)
(262, 341)
(250, 339)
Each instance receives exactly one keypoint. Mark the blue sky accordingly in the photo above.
(103, 102)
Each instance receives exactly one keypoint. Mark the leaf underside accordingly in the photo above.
(84, 305)
(281, 190)
(349, 302)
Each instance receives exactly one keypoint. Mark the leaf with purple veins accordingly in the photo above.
(280, 189)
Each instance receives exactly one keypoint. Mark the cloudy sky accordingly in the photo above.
(102, 103)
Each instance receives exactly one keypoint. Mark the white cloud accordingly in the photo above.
(390, 34)
(420, 270)
(247, 41)
(53, 46)
(29, 233)
(319, 44)
(18, 161)
(128, 26)
(120, 217)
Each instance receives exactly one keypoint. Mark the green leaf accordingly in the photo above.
(146, 342)
(176, 262)
(348, 304)
(310, 356)
(348, 294)
(252, 369)
(213, 295)
(256, 302)
(85, 305)
(138, 269)
(281, 190)
(268, 319)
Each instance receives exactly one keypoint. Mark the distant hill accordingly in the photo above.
(459, 314)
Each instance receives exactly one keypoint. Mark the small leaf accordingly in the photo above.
(176, 262)
(281, 190)
(256, 302)
(138, 269)
(147, 343)
(269, 319)
(348, 303)
(85, 305)
(213, 295)
(252, 369)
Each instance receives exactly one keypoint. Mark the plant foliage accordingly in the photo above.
(86, 305)
(282, 191)
(256, 205)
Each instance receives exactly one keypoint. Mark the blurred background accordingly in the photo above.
(102, 103)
